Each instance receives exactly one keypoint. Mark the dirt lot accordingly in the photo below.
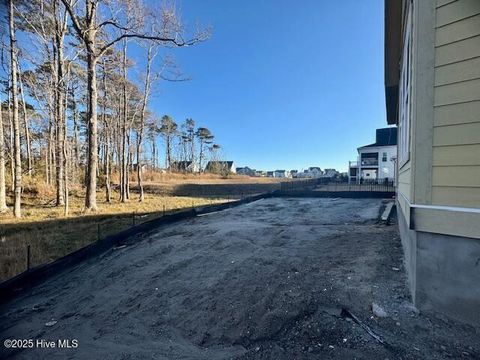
(267, 280)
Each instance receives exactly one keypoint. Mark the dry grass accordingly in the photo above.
(51, 235)
(175, 178)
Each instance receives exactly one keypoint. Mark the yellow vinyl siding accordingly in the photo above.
(456, 11)
(456, 155)
(456, 196)
(458, 51)
(456, 131)
(458, 92)
(457, 72)
(444, 2)
(458, 176)
(460, 134)
(458, 31)
(457, 114)
(404, 187)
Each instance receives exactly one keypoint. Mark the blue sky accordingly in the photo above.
(282, 84)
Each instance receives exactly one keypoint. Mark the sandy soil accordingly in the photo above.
(267, 280)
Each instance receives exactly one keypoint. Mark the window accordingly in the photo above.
(384, 157)
(405, 92)
(369, 159)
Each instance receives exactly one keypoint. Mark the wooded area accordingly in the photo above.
(72, 113)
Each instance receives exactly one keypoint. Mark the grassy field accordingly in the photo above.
(51, 235)
(209, 184)
(176, 179)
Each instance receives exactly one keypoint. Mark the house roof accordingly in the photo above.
(180, 165)
(228, 164)
(384, 137)
(244, 168)
(392, 53)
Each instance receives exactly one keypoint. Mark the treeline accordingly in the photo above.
(71, 111)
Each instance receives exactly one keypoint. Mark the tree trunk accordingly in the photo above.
(59, 112)
(167, 155)
(142, 123)
(27, 131)
(65, 168)
(3, 192)
(51, 152)
(108, 187)
(154, 153)
(139, 165)
(76, 132)
(65, 148)
(11, 155)
(124, 165)
(16, 125)
(200, 156)
(108, 191)
(128, 167)
(91, 198)
(47, 164)
(192, 151)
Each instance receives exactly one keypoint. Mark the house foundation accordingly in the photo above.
(443, 272)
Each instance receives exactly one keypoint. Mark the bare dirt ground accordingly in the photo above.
(267, 280)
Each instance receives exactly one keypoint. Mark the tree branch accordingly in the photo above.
(112, 23)
(75, 20)
(175, 42)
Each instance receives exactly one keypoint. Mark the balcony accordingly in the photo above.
(369, 162)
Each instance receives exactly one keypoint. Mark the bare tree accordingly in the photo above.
(205, 137)
(151, 53)
(168, 129)
(124, 165)
(28, 142)
(88, 29)
(60, 27)
(16, 124)
(3, 200)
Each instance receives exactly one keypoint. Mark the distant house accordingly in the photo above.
(293, 173)
(312, 172)
(245, 171)
(330, 173)
(281, 174)
(260, 173)
(270, 173)
(183, 166)
(220, 167)
(376, 162)
(302, 174)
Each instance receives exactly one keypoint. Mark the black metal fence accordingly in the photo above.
(332, 184)
(298, 184)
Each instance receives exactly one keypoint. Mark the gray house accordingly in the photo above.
(220, 167)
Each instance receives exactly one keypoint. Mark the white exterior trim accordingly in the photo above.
(441, 207)
(445, 220)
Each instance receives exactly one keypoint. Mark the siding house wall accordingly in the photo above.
(456, 133)
(439, 186)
